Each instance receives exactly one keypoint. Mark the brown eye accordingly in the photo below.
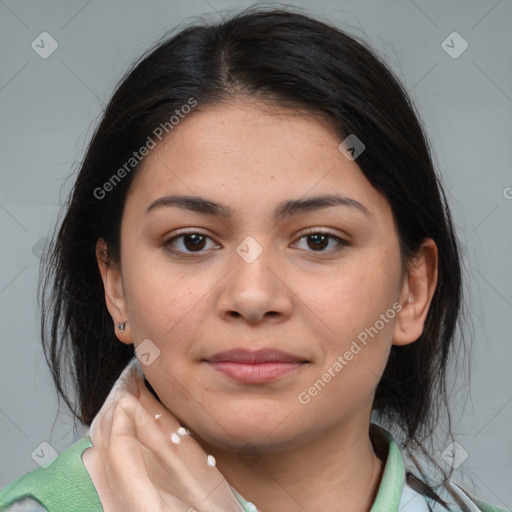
(318, 241)
(187, 243)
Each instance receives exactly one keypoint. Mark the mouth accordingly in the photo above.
(255, 367)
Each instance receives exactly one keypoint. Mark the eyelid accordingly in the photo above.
(184, 232)
(340, 240)
(323, 231)
(188, 231)
(308, 231)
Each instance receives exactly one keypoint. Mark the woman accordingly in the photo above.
(257, 255)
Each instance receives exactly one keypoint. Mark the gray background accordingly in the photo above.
(49, 106)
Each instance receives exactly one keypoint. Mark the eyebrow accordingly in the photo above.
(283, 210)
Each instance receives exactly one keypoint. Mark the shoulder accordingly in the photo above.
(26, 504)
(64, 484)
(402, 491)
(466, 495)
(458, 499)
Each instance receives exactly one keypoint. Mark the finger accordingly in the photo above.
(169, 424)
(127, 383)
(221, 490)
(127, 470)
(133, 385)
(133, 424)
(181, 469)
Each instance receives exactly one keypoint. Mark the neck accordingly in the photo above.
(339, 471)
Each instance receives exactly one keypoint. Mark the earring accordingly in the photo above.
(122, 326)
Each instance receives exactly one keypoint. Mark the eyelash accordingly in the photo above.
(341, 242)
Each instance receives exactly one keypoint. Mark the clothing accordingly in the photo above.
(65, 484)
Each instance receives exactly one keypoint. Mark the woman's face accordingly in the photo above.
(195, 282)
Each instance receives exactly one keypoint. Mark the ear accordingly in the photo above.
(418, 288)
(114, 290)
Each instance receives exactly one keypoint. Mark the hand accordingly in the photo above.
(135, 467)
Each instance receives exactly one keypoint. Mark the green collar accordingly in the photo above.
(393, 477)
(64, 484)
(392, 483)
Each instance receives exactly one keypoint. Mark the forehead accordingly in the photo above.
(241, 150)
(231, 132)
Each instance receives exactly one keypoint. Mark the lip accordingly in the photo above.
(245, 356)
(253, 367)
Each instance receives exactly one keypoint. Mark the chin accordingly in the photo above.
(236, 434)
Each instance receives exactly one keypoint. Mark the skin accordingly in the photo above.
(299, 296)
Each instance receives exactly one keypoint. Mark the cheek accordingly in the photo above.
(167, 308)
(357, 307)
(164, 302)
(354, 354)
(353, 298)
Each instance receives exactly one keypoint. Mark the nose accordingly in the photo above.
(254, 290)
